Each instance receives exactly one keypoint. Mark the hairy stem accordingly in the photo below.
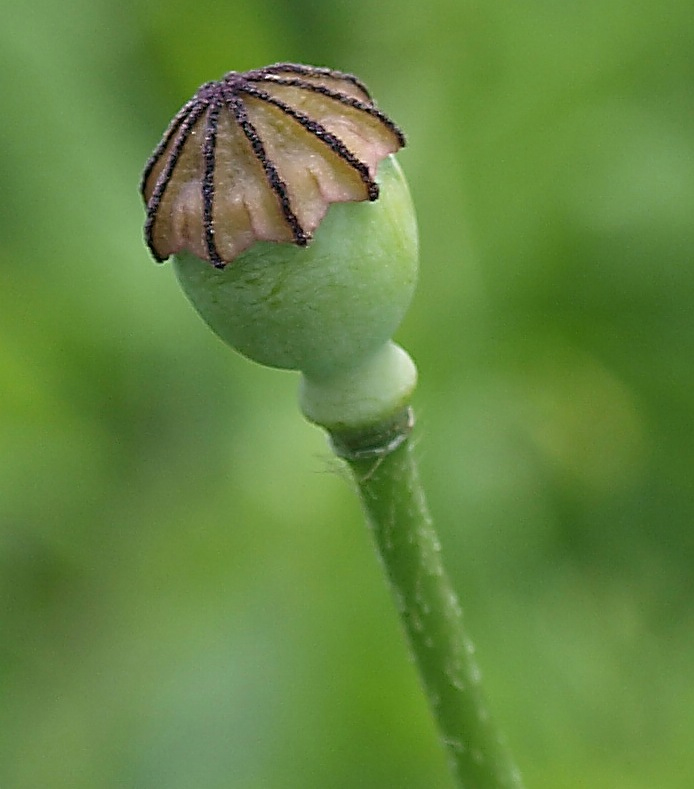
(393, 498)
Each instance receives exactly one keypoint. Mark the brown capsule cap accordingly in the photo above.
(259, 156)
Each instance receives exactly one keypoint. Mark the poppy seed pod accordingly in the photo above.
(293, 232)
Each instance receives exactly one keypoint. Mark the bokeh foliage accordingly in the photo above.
(188, 597)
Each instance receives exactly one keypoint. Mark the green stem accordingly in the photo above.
(394, 501)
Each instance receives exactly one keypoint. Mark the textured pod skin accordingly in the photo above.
(322, 309)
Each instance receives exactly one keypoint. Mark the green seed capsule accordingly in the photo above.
(309, 229)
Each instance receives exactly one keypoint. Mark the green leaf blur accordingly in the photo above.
(188, 596)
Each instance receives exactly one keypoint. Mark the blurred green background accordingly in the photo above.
(188, 596)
